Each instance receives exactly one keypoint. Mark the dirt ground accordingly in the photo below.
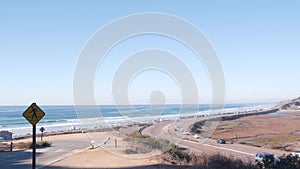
(106, 156)
(86, 159)
(279, 130)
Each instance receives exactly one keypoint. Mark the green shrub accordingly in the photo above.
(130, 151)
(45, 144)
(219, 162)
(149, 142)
(179, 154)
(286, 162)
(223, 162)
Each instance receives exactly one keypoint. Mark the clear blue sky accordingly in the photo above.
(258, 43)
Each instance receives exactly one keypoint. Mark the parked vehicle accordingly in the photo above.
(296, 153)
(260, 157)
(221, 141)
(196, 136)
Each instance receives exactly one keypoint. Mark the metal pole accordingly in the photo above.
(11, 146)
(33, 146)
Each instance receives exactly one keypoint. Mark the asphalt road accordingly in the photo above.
(163, 130)
(45, 156)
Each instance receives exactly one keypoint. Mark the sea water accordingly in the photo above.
(62, 118)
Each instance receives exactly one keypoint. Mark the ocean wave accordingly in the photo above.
(53, 121)
(114, 117)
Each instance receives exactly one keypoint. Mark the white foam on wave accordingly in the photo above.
(66, 124)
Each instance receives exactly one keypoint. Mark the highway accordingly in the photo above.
(164, 129)
(45, 156)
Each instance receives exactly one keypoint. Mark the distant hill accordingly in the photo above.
(291, 104)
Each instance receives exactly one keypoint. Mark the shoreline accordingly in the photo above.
(53, 125)
(143, 122)
(140, 126)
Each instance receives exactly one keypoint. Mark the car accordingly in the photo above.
(221, 141)
(260, 157)
(185, 133)
(196, 136)
(296, 154)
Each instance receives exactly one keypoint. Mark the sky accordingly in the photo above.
(257, 43)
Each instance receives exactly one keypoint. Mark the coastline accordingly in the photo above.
(63, 119)
(120, 132)
(135, 126)
(91, 125)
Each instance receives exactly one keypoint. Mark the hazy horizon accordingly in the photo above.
(145, 104)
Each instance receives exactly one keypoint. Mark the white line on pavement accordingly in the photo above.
(223, 148)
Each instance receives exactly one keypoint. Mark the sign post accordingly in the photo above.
(33, 114)
(33, 146)
(42, 129)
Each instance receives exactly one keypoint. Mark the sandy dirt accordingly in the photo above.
(103, 155)
(106, 154)
(100, 158)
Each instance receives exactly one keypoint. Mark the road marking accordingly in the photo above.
(223, 148)
(11, 155)
(165, 131)
(59, 150)
(42, 150)
(61, 157)
(76, 150)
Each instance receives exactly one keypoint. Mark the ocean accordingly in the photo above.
(62, 118)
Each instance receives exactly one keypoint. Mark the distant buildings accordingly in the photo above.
(5, 135)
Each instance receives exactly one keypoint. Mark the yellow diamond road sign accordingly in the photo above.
(33, 114)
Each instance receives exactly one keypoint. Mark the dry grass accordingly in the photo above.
(273, 131)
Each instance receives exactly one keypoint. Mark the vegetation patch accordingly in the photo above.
(250, 144)
(196, 128)
(144, 143)
(271, 143)
(222, 162)
(228, 126)
(179, 154)
(130, 151)
(42, 144)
